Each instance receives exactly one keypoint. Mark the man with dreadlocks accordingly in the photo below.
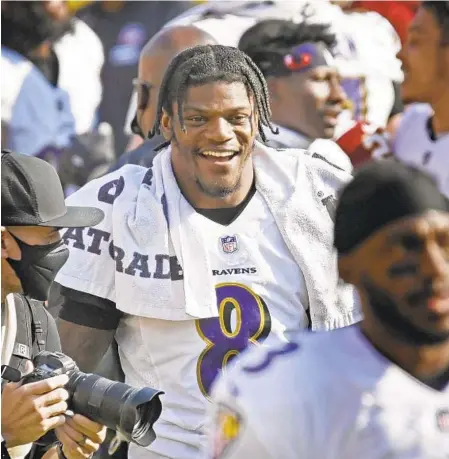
(223, 243)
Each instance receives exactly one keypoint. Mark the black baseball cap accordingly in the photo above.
(32, 195)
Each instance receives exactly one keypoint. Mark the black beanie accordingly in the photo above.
(381, 192)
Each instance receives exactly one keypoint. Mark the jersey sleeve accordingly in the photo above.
(414, 118)
(88, 310)
(91, 265)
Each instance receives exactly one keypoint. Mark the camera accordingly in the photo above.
(131, 412)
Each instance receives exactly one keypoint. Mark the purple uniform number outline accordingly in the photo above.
(253, 325)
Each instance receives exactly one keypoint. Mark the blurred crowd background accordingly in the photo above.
(70, 93)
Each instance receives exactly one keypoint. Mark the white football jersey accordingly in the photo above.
(261, 294)
(260, 289)
(325, 396)
(413, 144)
(256, 299)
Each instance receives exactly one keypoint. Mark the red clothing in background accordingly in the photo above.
(399, 13)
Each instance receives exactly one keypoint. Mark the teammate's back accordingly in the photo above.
(349, 403)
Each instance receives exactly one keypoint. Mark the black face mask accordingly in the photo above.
(38, 266)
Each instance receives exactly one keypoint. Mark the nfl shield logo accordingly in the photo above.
(229, 244)
(443, 420)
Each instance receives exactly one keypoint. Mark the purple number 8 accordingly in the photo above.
(252, 324)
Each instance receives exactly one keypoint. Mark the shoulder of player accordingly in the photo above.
(329, 151)
(111, 189)
(310, 170)
(414, 119)
(413, 115)
(289, 365)
(322, 154)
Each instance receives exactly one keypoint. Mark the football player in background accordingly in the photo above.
(199, 256)
(378, 389)
(50, 89)
(422, 138)
(304, 84)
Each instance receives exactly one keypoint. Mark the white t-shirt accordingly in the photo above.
(326, 396)
(413, 144)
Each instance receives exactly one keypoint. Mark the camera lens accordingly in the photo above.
(146, 415)
(122, 408)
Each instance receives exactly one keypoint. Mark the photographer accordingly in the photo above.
(33, 210)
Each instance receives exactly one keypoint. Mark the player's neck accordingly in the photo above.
(440, 119)
(426, 363)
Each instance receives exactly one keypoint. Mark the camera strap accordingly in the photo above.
(31, 317)
(39, 318)
(23, 346)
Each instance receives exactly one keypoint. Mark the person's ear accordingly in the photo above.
(10, 248)
(166, 125)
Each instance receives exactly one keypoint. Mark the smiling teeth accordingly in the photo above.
(218, 154)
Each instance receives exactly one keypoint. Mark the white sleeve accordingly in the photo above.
(92, 261)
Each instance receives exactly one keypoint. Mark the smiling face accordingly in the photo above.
(402, 272)
(212, 158)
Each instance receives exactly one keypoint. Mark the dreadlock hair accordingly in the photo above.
(270, 40)
(206, 64)
(440, 11)
(25, 25)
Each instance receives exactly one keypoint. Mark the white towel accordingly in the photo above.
(150, 216)
(162, 219)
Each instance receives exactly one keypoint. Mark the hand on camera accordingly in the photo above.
(80, 437)
(30, 411)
